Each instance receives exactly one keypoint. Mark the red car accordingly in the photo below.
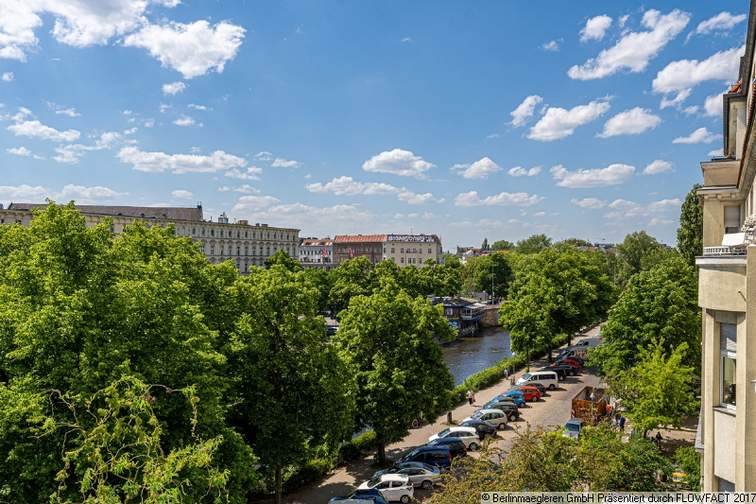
(569, 361)
(529, 393)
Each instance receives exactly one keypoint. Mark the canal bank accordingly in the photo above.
(466, 356)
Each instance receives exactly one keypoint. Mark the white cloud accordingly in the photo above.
(250, 173)
(613, 174)
(521, 171)
(657, 221)
(413, 198)
(173, 88)
(72, 153)
(23, 192)
(398, 162)
(626, 209)
(657, 166)
(724, 21)
(195, 106)
(185, 121)
(192, 49)
(480, 169)
(525, 110)
(676, 100)
(243, 189)
(634, 50)
(182, 194)
(35, 129)
(157, 161)
(522, 199)
(683, 75)
(713, 106)
(8, 77)
(254, 203)
(72, 191)
(285, 163)
(66, 111)
(701, 135)
(592, 203)
(19, 151)
(558, 123)
(264, 156)
(347, 186)
(630, 122)
(716, 153)
(595, 28)
(551, 45)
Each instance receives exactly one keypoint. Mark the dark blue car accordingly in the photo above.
(371, 496)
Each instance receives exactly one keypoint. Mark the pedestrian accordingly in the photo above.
(470, 397)
(616, 419)
(622, 423)
(512, 381)
(658, 438)
(506, 373)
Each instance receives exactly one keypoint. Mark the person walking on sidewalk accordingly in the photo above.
(470, 397)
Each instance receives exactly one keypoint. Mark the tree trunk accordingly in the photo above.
(551, 359)
(279, 484)
(381, 453)
(527, 357)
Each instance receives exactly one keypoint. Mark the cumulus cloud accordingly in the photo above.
(630, 122)
(157, 162)
(186, 121)
(595, 28)
(713, 106)
(192, 49)
(683, 75)
(613, 174)
(7, 77)
(592, 203)
(634, 50)
(521, 199)
(347, 186)
(722, 22)
(79, 192)
(625, 209)
(285, 163)
(521, 171)
(23, 192)
(701, 135)
(558, 123)
(480, 169)
(657, 166)
(243, 189)
(398, 162)
(551, 45)
(317, 220)
(182, 194)
(249, 173)
(35, 129)
(525, 110)
(72, 153)
(246, 203)
(173, 88)
(19, 151)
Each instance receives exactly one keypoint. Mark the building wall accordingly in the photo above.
(344, 251)
(406, 253)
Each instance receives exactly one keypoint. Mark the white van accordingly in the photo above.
(548, 379)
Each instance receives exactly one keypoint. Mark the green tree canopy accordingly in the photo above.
(281, 258)
(484, 273)
(641, 251)
(533, 244)
(657, 305)
(502, 245)
(390, 342)
(690, 232)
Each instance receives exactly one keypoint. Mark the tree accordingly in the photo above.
(502, 245)
(658, 390)
(641, 251)
(390, 342)
(491, 273)
(533, 244)
(657, 304)
(527, 317)
(282, 367)
(283, 259)
(690, 232)
(484, 246)
(351, 278)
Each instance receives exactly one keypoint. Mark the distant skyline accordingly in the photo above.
(466, 120)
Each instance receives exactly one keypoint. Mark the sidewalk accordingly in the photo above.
(553, 410)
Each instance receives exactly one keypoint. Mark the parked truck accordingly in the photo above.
(590, 405)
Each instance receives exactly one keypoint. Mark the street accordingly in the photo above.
(551, 411)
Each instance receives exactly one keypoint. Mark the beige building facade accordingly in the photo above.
(245, 244)
(727, 294)
(412, 250)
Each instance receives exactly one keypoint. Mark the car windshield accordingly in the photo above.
(572, 427)
(477, 414)
(374, 482)
(526, 376)
(443, 433)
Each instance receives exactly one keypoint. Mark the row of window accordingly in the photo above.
(254, 250)
(229, 233)
(413, 250)
(728, 345)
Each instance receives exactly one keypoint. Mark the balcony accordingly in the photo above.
(724, 251)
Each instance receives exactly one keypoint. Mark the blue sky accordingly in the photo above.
(466, 119)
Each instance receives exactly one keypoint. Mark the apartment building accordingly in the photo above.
(316, 252)
(245, 244)
(402, 249)
(727, 293)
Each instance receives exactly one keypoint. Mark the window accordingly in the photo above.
(725, 486)
(732, 219)
(728, 344)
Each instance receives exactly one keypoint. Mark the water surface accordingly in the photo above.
(470, 355)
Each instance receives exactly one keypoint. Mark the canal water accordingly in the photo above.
(470, 355)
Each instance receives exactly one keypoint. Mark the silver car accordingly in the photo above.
(420, 477)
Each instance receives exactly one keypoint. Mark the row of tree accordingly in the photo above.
(131, 369)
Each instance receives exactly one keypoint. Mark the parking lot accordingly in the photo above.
(551, 411)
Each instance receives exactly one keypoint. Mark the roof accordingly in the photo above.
(170, 213)
(461, 428)
(394, 477)
(315, 242)
(373, 238)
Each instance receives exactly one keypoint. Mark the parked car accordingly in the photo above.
(423, 476)
(515, 395)
(506, 405)
(530, 394)
(575, 365)
(482, 428)
(439, 456)
(468, 435)
(547, 379)
(361, 497)
(562, 370)
(456, 446)
(573, 427)
(404, 465)
(495, 417)
(393, 487)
